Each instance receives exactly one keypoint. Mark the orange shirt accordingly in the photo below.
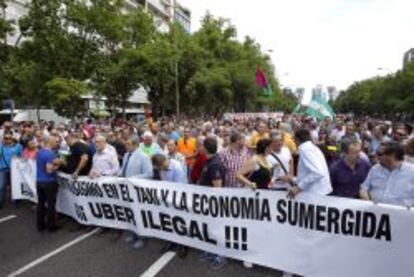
(188, 148)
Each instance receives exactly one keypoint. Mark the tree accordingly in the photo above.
(6, 29)
(67, 95)
(381, 96)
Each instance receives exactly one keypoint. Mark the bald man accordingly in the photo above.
(105, 161)
(46, 183)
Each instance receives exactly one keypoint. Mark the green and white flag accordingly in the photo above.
(320, 109)
(297, 109)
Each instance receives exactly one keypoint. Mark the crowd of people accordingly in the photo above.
(344, 157)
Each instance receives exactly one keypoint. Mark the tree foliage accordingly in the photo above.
(381, 95)
(66, 44)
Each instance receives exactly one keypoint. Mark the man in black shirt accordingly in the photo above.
(214, 172)
(213, 175)
(79, 161)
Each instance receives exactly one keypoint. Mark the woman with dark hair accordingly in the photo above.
(257, 169)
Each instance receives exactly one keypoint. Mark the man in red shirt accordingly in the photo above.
(200, 161)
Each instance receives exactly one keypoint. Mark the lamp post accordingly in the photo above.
(173, 7)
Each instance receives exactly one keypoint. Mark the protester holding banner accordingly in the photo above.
(135, 165)
(313, 174)
(30, 151)
(46, 184)
(79, 161)
(392, 180)
(281, 161)
(350, 171)
(105, 161)
(8, 148)
(213, 175)
(171, 171)
(257, 171)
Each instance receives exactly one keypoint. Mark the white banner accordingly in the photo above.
(311, 236)
(247, 116)
(23, 179)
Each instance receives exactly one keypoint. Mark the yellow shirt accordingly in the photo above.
(256, 137)
(289, 142)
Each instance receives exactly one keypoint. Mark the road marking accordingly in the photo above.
(156, 267)
(53, 253)
(4, 219)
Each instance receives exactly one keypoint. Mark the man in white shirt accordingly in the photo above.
(105, 161)
(281, 161)
(313, 173)
(391, 181)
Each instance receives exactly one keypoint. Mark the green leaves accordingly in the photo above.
(68, 43)
(386, 95)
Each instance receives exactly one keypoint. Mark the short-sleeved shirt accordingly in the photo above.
(391, 187)
(285, 157)
(345, 181)
(76, 152)
(213, 170)
(45, 156)
(6, 154)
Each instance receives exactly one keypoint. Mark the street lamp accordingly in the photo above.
(173, 6)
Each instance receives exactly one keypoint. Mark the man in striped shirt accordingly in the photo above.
(233, 158)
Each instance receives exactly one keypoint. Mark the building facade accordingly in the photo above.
(317, 92)
(408, 57)
(164, 11)
(333, 93)
(299, 93)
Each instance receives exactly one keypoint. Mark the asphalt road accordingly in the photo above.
(68, 252)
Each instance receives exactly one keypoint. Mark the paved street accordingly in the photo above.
(26, 252)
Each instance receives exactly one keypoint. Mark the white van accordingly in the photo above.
(31, 115)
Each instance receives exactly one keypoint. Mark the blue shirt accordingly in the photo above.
(137, 164)
(6, 154)
(391, 187)
(175, 173)
(45, 156)
(346, 181)
(174, 136)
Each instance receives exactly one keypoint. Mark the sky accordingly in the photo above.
(327, 42)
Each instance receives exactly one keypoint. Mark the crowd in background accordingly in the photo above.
(344, 157)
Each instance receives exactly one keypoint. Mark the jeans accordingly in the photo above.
(4, 183)
(46, 193)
